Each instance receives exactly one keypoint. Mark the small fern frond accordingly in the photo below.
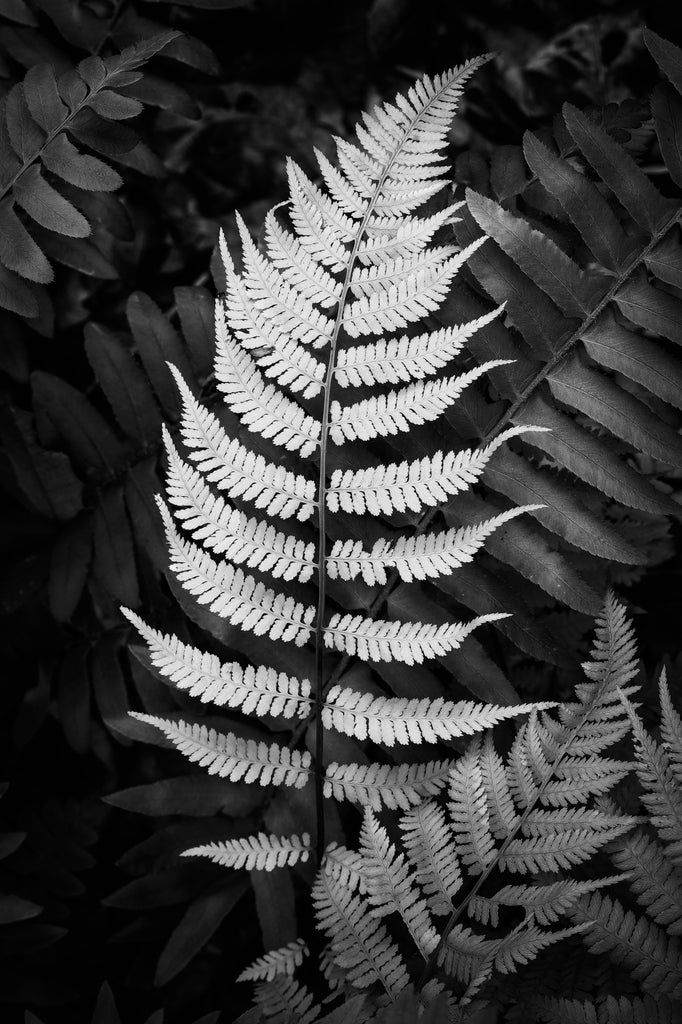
(392, 360)
(546, 903)
(232, 757)
(429, 841)
(233, 595)
(309, 278)
(396, 411)
(468, 807)
(255, 853)
(651, 957)
(259, 691)
(655, 881)
(662, 795)
(391, 640)
(671, 729)
(278, 961)
(284, 1000)
(397, 487)
(237, 470)
(359, 942)
(227, 531)
(389, 884)
(391, 720)
(261, 407)
(424, 556)
(381, 785)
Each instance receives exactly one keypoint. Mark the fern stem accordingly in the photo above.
(485, 875)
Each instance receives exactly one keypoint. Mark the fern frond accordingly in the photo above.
(379, 278)
(424, 556)
(304, 274)
(237, 470)
(232, 757)
(396, 411)
(383, 490)
(468, 807)
(284, 1000)
(392, 360)
(502, 813)
(671, 729)
(652, 958)
(259, 691)
(278, 961)
(546, 903)
(386, 640)
(382, 785)
(391, 720)
(429, 842)
(560, 848)
(261, 407)
(359, 942)
(662, 796)
(233, 595)
(255, 853)
(227, 531)
(389, 884)
(655, 881)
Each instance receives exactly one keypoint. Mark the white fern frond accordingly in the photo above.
(283, 1000)
(359, 942)
(342, 191)
(390, 886)
(384, 276)
(392, 640)
(326, 209)
(411, 238)
(278, 961)
(397, 487)
(559, 849)
(217, 526)
(503, 816)
(300, 270)
(412, 298)
(578, 778)
(382, 785)
(259, 691)
(547, 903)
(468, 807)
(429, 841)
(344, 865)
(391, 720)
(423, 556)
(392, 360)
(613, 656)
(255, 853)
(291, 313)
(284, 358)
(240, 472)
(396, 411)
(233, 595)
(232, 757)
(261, 407)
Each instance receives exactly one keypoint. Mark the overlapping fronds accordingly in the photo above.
(385, 785)
(278, 961)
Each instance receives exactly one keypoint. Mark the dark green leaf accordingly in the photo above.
(18, 251)
(158, 344)
(159, 92)
(137, 55)
(197, 795)
(665, 261)
(9, 842)
(105, 1007)
(25, 135)
(93, 71)
(113, 105)
(592, 459)
(141, 158)
(44, 477)
(19, 11)
(655, 310)
(114, 562)
(581, 200)
(197, 927)
(666, 106)
(538, 256)
(619, 171)
(667, 56)
(197, 317)
(210, 5)
(16, 295)
(508, 174)
(80, 254)
(590, 392)
(275, 906)
(643, 361)
(69, 564)
(89, 438)
(140, 487)
(10, 164)
(42, 202)
(74, 699)
(42, 97)
(109, 683)
(123, 382)
(80, 169)
(94, 131)
(14, 908)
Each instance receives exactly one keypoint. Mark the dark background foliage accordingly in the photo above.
(94, 893)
